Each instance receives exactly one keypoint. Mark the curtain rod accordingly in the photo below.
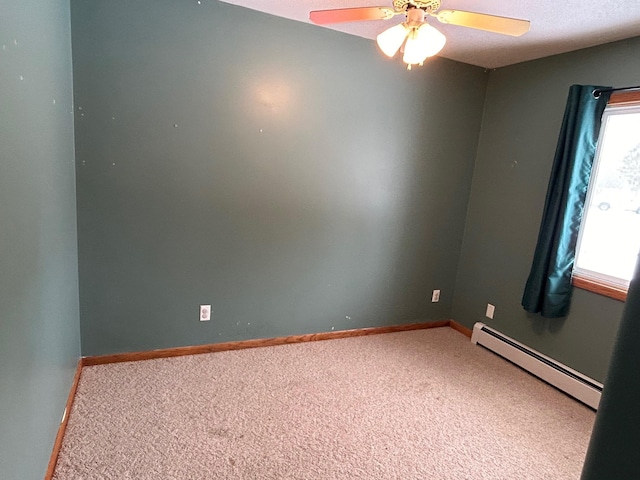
(598, 91)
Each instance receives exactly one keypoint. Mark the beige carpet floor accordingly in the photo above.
(423, 404)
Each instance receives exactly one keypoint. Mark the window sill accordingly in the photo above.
(590, 285)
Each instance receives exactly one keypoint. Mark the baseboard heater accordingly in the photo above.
(579, 386)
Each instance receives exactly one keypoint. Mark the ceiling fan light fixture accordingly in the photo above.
(391, 39)
(415, 39)
(423, 42)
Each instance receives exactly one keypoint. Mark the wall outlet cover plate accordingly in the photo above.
(205, 313)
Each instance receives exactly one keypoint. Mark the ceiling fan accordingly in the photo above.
(415, 37)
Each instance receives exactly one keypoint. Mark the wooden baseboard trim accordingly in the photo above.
(264, 342)
(461, 328)
(63, 424)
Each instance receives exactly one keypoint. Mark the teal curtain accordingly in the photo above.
(548, 288)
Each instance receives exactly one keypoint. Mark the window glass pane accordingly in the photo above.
(610, 236)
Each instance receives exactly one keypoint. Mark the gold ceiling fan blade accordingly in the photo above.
(491, 23)
(324, 17)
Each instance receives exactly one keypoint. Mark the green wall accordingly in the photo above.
(522, 117)
(39, 325)
(286, 174)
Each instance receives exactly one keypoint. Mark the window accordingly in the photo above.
(609, 239)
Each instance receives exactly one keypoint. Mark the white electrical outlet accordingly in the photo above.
(205, 313)
(490, 310)
(435, 296)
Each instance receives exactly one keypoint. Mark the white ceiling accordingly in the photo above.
(557, 26)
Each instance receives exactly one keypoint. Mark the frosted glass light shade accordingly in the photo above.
(391, 39)
(423, 42)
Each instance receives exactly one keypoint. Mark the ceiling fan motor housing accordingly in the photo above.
(429, 6)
